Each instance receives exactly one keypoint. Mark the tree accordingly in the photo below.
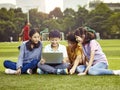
(8, 31)
(97, 19)
(52, 24)
(68, 21)
(56, 13)
(4, 14)
(81, 16)
(37, 18)
(113, 25)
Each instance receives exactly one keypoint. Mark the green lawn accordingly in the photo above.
(60, 82)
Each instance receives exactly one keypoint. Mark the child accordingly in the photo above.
(75, 53)
(25, 31)
(54, 37)
(30, 54)
(98, 63)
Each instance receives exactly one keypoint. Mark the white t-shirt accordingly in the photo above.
(61, 49)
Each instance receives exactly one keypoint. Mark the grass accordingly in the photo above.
(60, 82)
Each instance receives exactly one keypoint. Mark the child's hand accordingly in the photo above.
(42, 61)
(65, 60)
(78, 39)
(18, 71)
(72, 71)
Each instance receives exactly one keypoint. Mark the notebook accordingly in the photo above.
(52, 58)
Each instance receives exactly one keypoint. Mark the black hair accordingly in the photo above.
(30, 42)
(83, 32)
(91, 31)
(71, 37)
(54, 34)
(26, 22)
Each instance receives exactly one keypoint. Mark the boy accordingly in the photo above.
(54, 37)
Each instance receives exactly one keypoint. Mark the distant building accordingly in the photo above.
(112, 6)
(7, 4)
(74, 4)
(30, 4)
(43, 5)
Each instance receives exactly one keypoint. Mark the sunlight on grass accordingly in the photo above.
(60, 82)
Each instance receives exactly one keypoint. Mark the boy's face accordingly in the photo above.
(54, 41)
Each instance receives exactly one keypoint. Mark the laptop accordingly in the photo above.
(52, 58)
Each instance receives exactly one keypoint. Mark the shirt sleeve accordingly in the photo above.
(65, 52)
(93, 45)
(21, 56)
(46, 49)
(41, 48)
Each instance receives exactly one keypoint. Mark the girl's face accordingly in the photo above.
(79, 39)
(35, 38)
(72, 44)
(54, 41)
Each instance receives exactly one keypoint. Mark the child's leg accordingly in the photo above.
(62, 66)
(9, 64)
(100, 69)
(80, 68)
(47, 68)
(32, 65)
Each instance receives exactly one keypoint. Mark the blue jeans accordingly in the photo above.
(12, 65)
(52, 68)
(97, 69)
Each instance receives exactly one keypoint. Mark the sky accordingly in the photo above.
(8, 1)
(51, 4)
(111, 1)
(14, 1)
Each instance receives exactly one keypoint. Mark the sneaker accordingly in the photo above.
(10, 71)
(116, 72)
(62, 71)
(39, 71)
(29, 71)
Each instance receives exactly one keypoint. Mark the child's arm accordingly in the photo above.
(18, 71)
(76, 63)
(21, 32)
(42, 61)
(66, 60)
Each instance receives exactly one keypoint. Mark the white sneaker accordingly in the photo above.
(39, 71)
(29, 71)
(116, 72)
(10, 71)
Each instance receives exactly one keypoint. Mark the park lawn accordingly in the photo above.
(60, 82)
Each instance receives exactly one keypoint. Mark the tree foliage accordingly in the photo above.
(102, 19)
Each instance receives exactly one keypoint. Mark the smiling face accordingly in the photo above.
(35, 38)
(55, 41)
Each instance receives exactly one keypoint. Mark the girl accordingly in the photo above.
(75, 53)
(98, 63)
(30, 54)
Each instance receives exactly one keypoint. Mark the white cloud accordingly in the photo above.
(8, 1)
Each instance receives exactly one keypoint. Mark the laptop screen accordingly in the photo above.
(52, 58)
